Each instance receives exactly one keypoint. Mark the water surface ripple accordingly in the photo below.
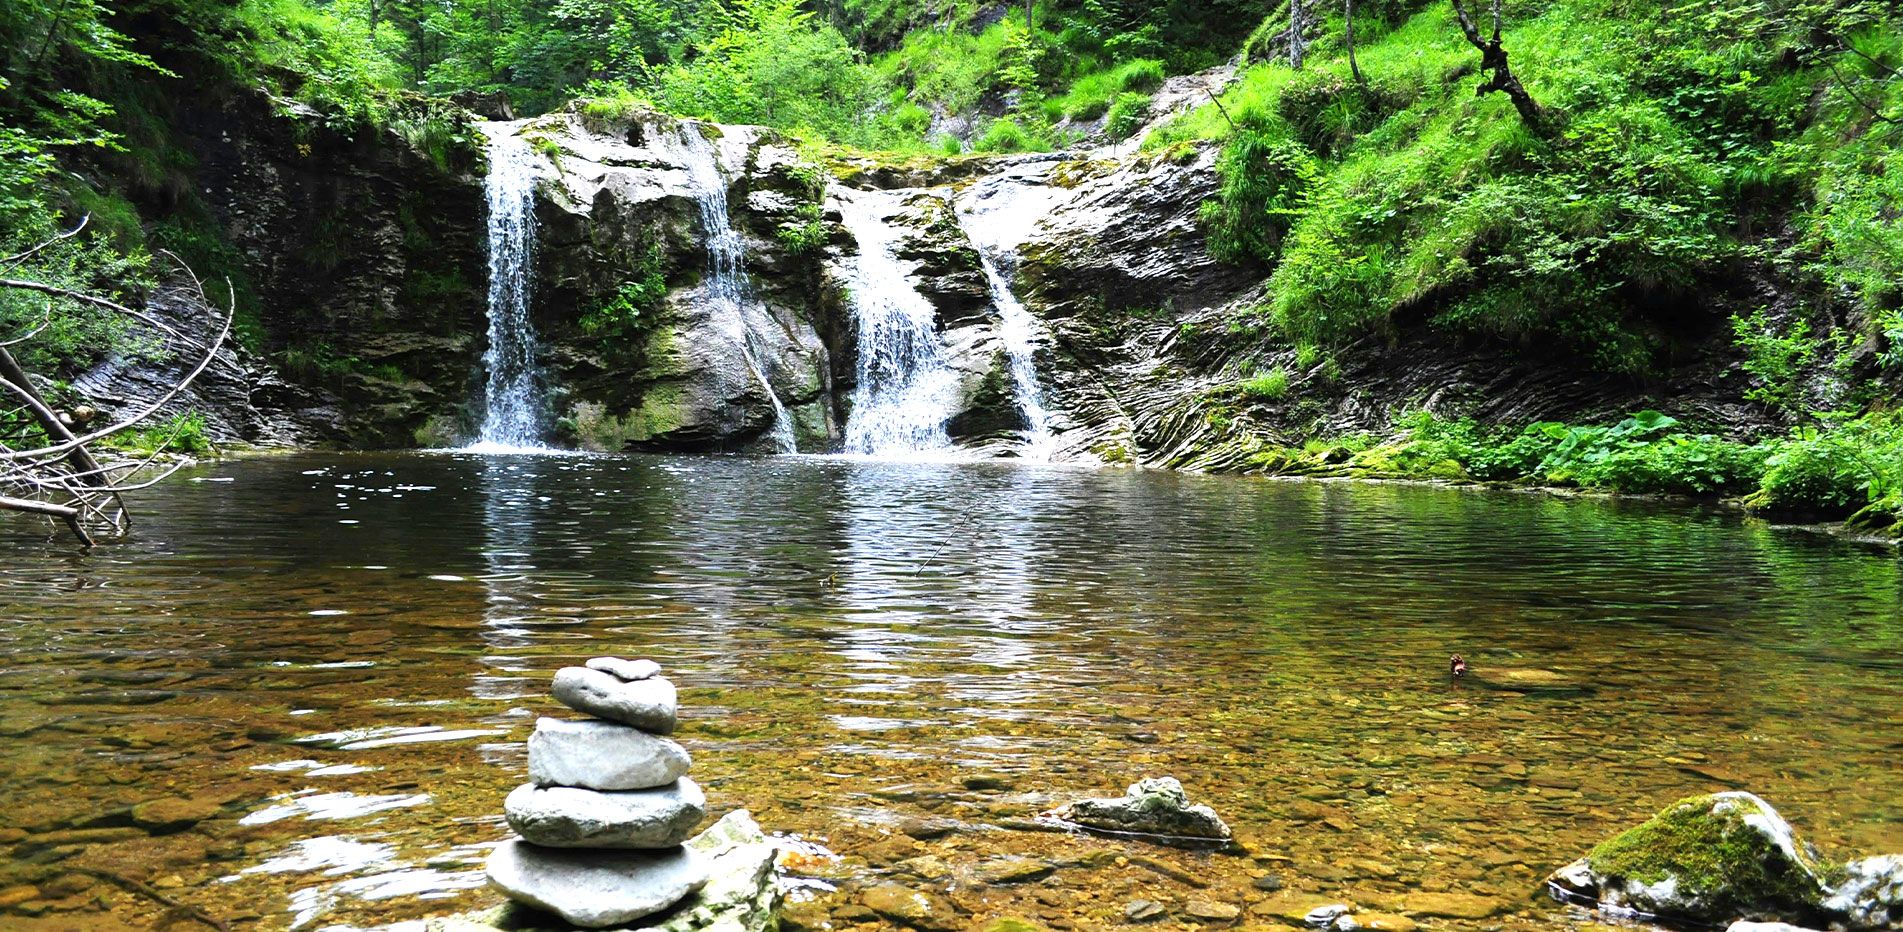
(334, 660)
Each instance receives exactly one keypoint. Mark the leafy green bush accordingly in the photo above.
(1266, 178)
(1004, 135)
(1093, 94)
(1126, 115)
(183, 434)
(634, 309)
(1269, 386)
(1849, 467)
(804, 236)
(1775, 358)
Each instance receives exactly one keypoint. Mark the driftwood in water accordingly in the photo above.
(53, 472)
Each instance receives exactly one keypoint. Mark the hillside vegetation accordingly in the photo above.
(1680, 176)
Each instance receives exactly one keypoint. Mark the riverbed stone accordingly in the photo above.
(1211, 911)
(627, 671)
(1452, 905)
(921, 909)
(1010, 870)
(600, 755)
(1156, 806)
(1869, 893)
(1712, 858)
(173, 814)
(650, 704)
(596, 889)
(570, 817)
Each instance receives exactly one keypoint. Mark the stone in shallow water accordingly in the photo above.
(742, 893)
(1706, 858)
(650, 704)
(596, 889)
(627, 671)
(600, 755)
(1157, 806)
(1869, 893)
(568, 817)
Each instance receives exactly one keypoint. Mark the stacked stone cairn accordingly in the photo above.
(608, 803)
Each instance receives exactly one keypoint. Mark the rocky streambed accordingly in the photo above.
(302, 694)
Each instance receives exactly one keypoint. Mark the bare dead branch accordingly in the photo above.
(20, 257)
(59, 479)
(211, 353)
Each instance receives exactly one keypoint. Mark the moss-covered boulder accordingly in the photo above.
(1711, 858)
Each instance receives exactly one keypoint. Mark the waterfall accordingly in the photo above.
(727, 286)
(1017, 329)
(514, 406)
(906, 390)
(989, 233)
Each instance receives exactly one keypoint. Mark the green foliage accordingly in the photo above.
(1848, 466)
(1269, 386)
(1776, 359)
(1669, 135)
(771, 63)
(1091, 96)
(806, 235)
(183, 434)
(1126, 115)
(1266, 178)
(1004, 135)
(633, 311)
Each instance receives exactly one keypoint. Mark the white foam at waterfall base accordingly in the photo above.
(906, 390)
(512, 394)
(727, 286)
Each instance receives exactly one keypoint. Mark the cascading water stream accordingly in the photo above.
(512, 396)
(1018, 331)
(906, 390)
(1017, 328)
(727, 284)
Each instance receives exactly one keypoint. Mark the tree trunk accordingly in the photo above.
(1030, 15)
(1348, 20)
(1493, 58)
(1296, 26)
(81, 461)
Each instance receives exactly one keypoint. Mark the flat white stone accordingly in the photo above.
(627, 671)
(650, 705)
(567, 817)
(596, 889)
(600, 755)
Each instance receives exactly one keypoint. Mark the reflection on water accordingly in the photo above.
(300, 695)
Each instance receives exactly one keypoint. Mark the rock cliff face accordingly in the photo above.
(366, 263)
(701, 288)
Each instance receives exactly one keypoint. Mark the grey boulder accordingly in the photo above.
(1869, 893)
(1157, 806)
(624, 670)
(650, 704)
(568, 817)
(600, 755)
(742, 894)
(596, 889)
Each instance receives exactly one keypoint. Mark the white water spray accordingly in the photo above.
(906, 391)
(512, 396)
(727, 284)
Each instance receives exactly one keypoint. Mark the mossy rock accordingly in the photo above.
(1712, 858)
